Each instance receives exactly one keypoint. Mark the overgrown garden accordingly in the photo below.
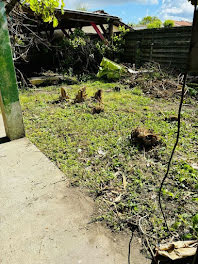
(97, 153)
(87, 129)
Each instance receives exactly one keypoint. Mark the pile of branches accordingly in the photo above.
(25, 37)
(156, 82)
(37, 46)
(77, 53)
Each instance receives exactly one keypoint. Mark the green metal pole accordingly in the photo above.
(9, 96)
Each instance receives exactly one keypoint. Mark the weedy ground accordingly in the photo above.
(95, 152)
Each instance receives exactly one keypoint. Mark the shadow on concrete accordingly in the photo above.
(4, 140)
(188, 260)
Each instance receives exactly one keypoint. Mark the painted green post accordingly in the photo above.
(9, 97)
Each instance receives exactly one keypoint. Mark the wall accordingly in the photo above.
(165, 46)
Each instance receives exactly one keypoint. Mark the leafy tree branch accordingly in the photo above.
(44, 8)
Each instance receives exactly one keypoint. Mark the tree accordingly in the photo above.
(155, 24)
(151, 22)
(82, 7)
(148, 20)
(193, 2)
(169, 23)
(44, 8)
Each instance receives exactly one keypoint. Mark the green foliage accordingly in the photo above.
(193, 89)
(115, 48)
(148, 20)
(77, 54)
(83, 54)
(151, 22)
(45, 8)
(195, 222)
(81, 7)
(137, 90)
(155, 24)
(110, 70)
(77, 39)
(118, 39)
(168, 24)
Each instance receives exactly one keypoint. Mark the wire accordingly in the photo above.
(129, 251)
(178, 127)
(173, 151)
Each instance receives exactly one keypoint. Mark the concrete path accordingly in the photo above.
(43, 221)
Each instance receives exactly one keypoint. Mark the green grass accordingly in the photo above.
(94, 152)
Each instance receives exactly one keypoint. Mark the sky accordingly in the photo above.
(132, 11)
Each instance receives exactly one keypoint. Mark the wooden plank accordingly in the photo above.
(160, 43)
(110, 30)
(166, 45)
(169, 56)
(170, 51)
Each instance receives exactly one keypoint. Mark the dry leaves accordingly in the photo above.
(145, 137)
(177, 250)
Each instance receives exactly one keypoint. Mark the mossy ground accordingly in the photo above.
(94, 151)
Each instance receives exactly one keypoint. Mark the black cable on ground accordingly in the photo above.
(173, 151)
(129, 252)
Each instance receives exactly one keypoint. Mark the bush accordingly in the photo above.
(115, 48)
(169, 24)
(155, 24)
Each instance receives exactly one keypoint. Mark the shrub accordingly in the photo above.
(169, 23)
(155, 24)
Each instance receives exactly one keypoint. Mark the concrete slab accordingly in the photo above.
(43, 221)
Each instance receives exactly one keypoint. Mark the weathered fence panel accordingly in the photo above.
(168, 46)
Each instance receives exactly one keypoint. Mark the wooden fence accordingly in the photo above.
(165, 46)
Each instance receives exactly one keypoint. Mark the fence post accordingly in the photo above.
(137, 53)
(151, 52)
(9, 97)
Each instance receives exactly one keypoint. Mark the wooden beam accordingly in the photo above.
(103, 29)
(97, 31)
(74, 18)
(110, 31)
(65, 32)
(51, 32)
(70, 30)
